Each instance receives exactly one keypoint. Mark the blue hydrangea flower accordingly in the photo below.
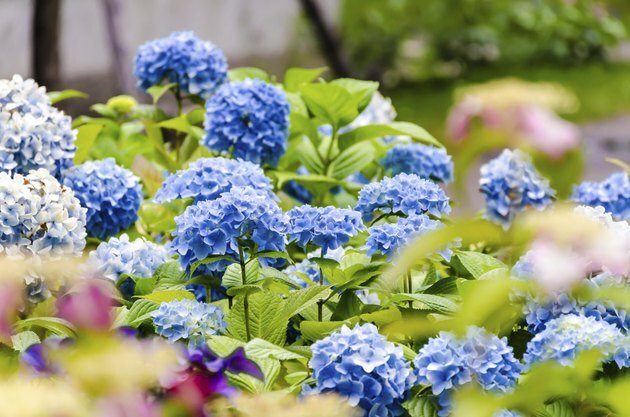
(39, 216)
(111, 194)
(360, 365)
(213, 227)
(613, 194)
(388, 238)
(425, 161)
(568, 335)
(187, 319)
(208, 178)
(298, 191)
(33, 133)
(120, 256)
(405, 194)
(510, 184)
(325, 227)
(538, 313)
(250, 119)
(198, 67)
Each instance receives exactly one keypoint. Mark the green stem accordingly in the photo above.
(410, 287)
(241, 259)
(320, 303)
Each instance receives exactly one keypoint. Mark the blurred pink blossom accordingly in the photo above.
(88, 305)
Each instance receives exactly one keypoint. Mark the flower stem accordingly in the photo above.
(320, 303)
(241, 258)
(410, 287)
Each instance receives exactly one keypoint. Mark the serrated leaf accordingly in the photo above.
(352, 160)
(262, 349)
(23, 340)
(348, 306)
(330, 103)
(233, 277)
(446, 285)
(373, 131)
(57, 96)
(422, 407)
(139, 312)
(169, 275)
(86, 136)
(295, 77)
(475, 264)
(157, 91)
(433, 302)
(224, 345)
(263, 307)
(381, 317)
(244, 290)
(242, 73)
(168, 296)
(54, 325)
(316, 330)
(271, 370)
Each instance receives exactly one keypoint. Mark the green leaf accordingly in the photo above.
(21, 341)
(104, 110)
(421, 407)
(330, 103)
(316, 330)
(295, 77)
(57, 96)
(263, 307)
(233, 277)
(361, 90)
(168, 296)
(54, 325)
(179, 124)
(348, 306)
(368, 132)
(382, 317)
(169, 275)
(271, 370)
(300, 123)
(162, 156)
(224, 345)
(240, 74)
(309, 181)
(86, 136)
(430, 301)
(278, 276)
(352, 160)
(157, 91)
(446, 285)
(244, 289)
(470, 264)
(262, 349)
(145, 285)
(150, 175)
(209, 260)
(139, 312)
(310, 158)
(556, 409)
(300, 300)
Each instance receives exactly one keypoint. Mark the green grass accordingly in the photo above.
(603, 91)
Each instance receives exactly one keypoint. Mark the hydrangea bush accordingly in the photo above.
(291, 240)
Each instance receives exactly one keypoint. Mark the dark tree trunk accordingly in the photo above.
(329, 46)
(45, 43)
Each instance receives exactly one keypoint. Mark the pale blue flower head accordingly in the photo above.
(325, 227)
(188, 319)
(249, 119)
(510, 184)
(405, 194)
(197, 67)
(33, 133)
(214, 227)
(111, 194)
(39, 216)
(120, 256)
(362, 366)
(208, 178)
(568, 335)
(425, 161)
(613, 194)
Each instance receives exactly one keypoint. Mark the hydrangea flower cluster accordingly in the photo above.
(249, 118)
(405, 194)
(447, 362)
(33, 133)
(185, 319)
(613, 194)
(325, 227)
(309, 269)
(39, 216)
(510, 184)
(387, 238)
(360, 365)
(208, 178)
(120, 256)
(425, 161)
(197, 67)
(568, 335)
(213, 227)
(111, 194)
